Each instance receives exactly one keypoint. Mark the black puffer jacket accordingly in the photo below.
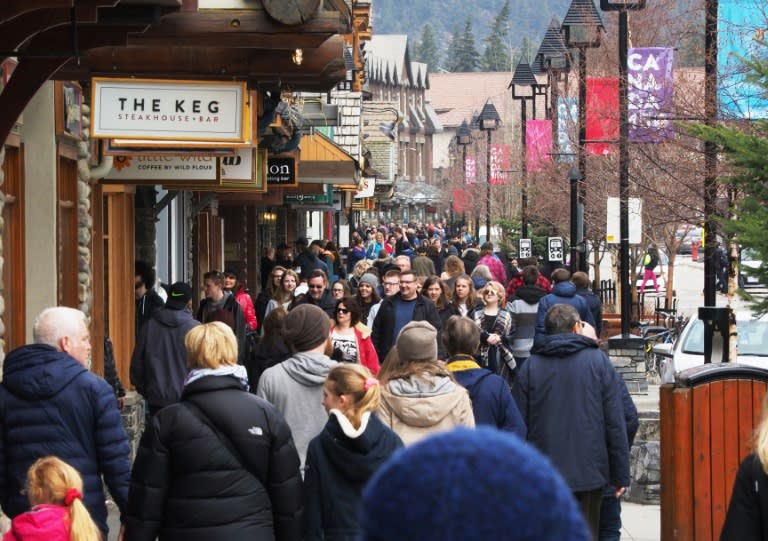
(187, 485)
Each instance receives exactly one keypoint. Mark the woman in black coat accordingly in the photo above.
(341, 459)
(220, 464)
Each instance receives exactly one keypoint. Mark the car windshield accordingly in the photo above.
(753, 338)
(747, 255)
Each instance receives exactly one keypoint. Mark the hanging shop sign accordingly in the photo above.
(282, 172)
(153, 109)
(325, 198)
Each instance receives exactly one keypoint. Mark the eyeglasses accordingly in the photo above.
(392, 284)
(407, 282)
(490, 292)
(342, 311)
(316, 287)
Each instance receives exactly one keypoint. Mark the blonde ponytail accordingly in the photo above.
(357, 382)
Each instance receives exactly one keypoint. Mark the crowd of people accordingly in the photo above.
(387, 396)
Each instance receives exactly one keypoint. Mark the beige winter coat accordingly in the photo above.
(416, 407)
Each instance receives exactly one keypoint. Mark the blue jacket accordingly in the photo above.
(569, 395)
(51, 405)
(492, 402)
(562, 293)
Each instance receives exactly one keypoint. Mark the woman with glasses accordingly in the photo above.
(268, 293)
(352, 340)
(464, 297)
(284, 294)
(340, 288)
(497, 332)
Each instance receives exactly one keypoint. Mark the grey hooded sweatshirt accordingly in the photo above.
(295, 387)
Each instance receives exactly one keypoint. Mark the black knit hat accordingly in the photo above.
(306, 327)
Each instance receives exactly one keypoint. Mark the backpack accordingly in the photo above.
(650, 261)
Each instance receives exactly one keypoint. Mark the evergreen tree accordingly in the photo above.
(496, 56)
(462, 54)
(745, 148)
(426, 50)
(452, 55)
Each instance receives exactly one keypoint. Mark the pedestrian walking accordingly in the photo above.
(492, 402)
(352, 341)
(419, 395)
(524, 307)
(650, 262)
(470, 485)
(497, 331)
(353, 444)
(55, 492)
(464, 296)
(203, 473)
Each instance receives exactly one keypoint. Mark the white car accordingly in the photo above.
(748, 261)
(688, 349)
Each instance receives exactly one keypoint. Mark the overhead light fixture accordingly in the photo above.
(297, 57)
(389, 129)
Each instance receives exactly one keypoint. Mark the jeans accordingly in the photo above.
(610, 519)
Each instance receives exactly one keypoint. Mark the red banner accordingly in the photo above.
(538, 144)
(602, 115)
(499, 164)
(461, 200)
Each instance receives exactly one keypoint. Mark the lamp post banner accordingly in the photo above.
(499, 163)
(602, 114)
(539, 144)
(649, 93)
(470, 170)
(567, 122)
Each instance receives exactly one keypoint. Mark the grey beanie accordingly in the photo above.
(306, 327)
(417, 341)
(370, 279)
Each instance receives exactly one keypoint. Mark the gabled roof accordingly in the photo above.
(457, 96)
(389, 53)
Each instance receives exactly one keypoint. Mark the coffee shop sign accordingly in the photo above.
(170, 110)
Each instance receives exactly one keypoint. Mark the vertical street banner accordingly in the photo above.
(470, 170)
(567, 126)
(649, 93)
(461, 201)
(741, 28)
(602, 115)
(499, 163)
(538, 143)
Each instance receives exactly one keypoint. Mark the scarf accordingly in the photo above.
(236, 370)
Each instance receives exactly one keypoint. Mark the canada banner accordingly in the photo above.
(602, 115)
(470, 170)
(538, 144)
(499, 164)
(649, 93)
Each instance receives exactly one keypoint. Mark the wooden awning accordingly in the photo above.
(173, 39)
(323, 162)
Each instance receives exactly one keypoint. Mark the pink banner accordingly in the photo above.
(602, 115)
(499, 164)
(461, 201)
(538, 144)
(470, 170)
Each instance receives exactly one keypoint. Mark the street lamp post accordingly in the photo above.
(488, 121)
(626, 299)
(554, 60)
(525, 87)
(463, 139)
(582, 29)
(574, 177)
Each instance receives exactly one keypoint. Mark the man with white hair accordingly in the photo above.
(51, 404)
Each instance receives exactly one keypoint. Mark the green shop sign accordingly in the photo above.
(314, 199)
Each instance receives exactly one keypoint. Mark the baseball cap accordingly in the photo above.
(178, 296)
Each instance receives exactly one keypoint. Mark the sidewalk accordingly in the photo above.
(640, 522)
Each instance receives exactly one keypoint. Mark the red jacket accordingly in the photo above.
(366, 353)
(246, 303)
(517, 281)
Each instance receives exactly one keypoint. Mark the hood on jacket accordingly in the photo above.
(357, 458)
(564, 289)
(39, 371)
(564, 344)
(422, 401)
(470, 378)
(43, 523)
(172, 318)
(308, 369)
(530, 294)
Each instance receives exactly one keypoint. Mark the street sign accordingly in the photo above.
(525, 249)
(555, 248)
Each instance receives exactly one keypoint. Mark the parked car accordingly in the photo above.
(748, 261)
(658, 271)
(688, 349)
(687, 236)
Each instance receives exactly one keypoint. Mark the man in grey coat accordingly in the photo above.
(295, 386)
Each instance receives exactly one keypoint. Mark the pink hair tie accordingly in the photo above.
(70, 495)
(370, 382)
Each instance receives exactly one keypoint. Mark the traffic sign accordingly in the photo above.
(525, 249)
(555, 248)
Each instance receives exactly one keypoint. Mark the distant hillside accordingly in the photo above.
(528, 18)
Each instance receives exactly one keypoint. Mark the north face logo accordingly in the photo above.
(256, 431)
